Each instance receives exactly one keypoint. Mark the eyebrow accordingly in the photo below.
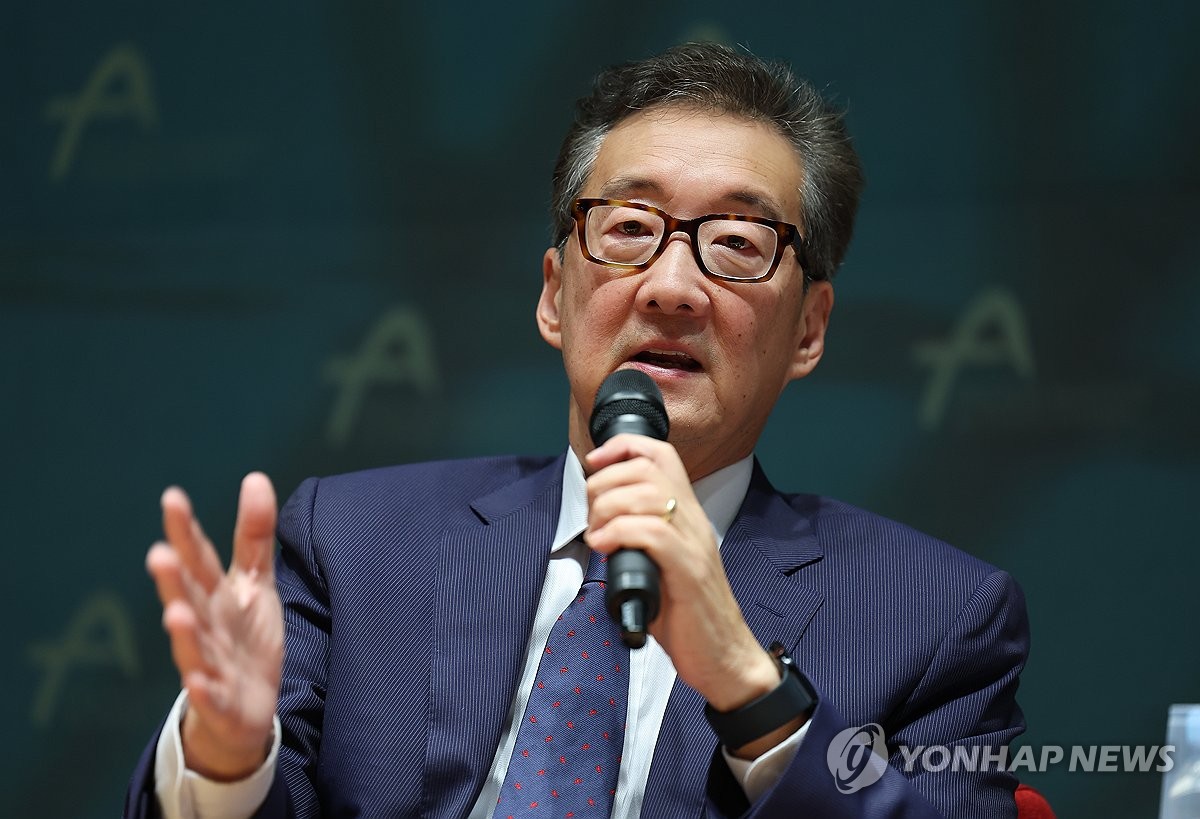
(623, 187)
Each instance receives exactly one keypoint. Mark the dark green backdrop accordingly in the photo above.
(245, 236)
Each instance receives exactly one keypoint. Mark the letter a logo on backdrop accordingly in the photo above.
(397, 350)
(991, 332)
(100, 634)
(119, 87)
(857, 757)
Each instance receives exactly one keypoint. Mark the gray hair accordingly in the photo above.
(714, 76)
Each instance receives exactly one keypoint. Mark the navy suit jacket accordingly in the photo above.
(409, 594)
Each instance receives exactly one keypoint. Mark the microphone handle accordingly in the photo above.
(632, 596)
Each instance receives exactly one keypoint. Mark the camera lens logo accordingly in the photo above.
(857, 757)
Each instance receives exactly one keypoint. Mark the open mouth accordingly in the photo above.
(668, 360)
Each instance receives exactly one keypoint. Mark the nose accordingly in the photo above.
(674, 284)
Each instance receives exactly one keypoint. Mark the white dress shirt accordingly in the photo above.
(184, 794)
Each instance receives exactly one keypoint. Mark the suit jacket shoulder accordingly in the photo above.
(408, 596)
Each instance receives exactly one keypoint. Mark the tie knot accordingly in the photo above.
(597, 568)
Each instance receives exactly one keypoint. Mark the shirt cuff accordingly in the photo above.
(185, 794)
(757, 776)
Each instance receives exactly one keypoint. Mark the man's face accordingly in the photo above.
(720, 351)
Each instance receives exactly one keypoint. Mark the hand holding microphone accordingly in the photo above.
(642, 504)
(630, 402)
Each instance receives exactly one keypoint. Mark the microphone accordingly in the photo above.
(629, 401)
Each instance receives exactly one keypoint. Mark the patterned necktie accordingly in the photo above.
(569, 743)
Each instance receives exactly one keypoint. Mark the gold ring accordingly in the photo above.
(669, 512)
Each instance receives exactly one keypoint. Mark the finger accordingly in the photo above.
(163, 565)
(205, 694)
(254, 534)
(188, 539)
(187, 649)
(625, 473)
(649, 533)
(640, 498)
(171, 579)
(199, 688)
(625, 446)
(209, 699)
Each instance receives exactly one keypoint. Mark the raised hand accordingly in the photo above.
(226, 630)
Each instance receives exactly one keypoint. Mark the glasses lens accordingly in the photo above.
(740, 250)
(623, 235)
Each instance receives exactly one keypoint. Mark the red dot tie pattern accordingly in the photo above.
(569, 744)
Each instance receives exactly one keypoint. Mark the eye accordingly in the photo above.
(738, 243)
(632, 227)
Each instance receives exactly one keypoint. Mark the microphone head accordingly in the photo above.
(628, 401)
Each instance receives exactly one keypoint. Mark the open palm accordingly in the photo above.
(226, 629)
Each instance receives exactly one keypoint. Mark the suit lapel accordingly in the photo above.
(763, 550)
(489, 582)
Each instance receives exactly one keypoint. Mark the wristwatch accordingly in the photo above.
(792, 698)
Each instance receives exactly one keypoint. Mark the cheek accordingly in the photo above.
(592, 315)
(744, 334)
(755, 342)
(603, 298)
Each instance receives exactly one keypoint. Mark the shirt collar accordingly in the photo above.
(720, 494)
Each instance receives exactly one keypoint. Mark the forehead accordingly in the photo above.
(693, 162)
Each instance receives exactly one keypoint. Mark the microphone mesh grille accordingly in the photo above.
(629, 392)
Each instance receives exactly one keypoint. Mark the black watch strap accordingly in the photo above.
(793, 697)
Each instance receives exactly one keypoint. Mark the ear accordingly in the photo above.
(814, 321)
(550, 300)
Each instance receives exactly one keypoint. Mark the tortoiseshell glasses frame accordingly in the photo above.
(786, 235)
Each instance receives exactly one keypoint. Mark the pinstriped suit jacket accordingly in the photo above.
(409, 594)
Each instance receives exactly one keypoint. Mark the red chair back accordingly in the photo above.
(1031, 804)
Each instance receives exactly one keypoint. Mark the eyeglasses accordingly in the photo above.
(729, 246)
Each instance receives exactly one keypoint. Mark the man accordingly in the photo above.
(702, 202)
